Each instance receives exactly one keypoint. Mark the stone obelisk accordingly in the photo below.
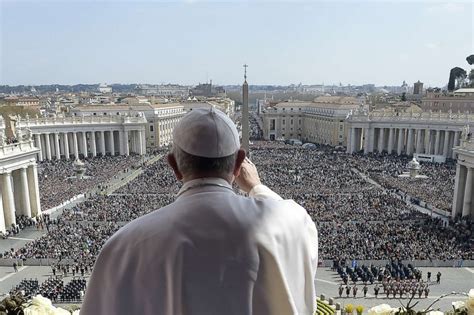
(245, 114)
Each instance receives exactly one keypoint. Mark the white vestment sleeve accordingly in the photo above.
(262, 191)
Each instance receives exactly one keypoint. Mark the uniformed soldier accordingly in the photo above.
(376, 290)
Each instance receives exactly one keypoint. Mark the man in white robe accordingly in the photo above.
(211, 251)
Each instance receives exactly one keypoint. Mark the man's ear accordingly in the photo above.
(174, 165)
(238, 162)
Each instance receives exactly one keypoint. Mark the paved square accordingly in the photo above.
(452, 279)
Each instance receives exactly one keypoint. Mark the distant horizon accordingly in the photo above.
(192, 41)
(217, 84)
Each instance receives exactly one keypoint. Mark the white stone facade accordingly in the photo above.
(160, 118)
(76, 137)
(19, 190)
(406, 133)
(321, 121)
(463, 202)
(165, 119)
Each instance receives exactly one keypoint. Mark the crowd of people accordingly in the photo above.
(117, 207)
(437, 190)
(157, 178)
(78, 241)
(355, 219)
(58, 182)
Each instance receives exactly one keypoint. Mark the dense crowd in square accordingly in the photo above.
(59, 184)
(355, 219)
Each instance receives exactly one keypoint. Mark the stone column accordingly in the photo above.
(366, 140)
(121, 142)
(400, 141)
(353, 140)
(437, 140)
(8, 200)
(134, 141)
(126, 148)
(39, 146)
(84, 144)
(381, 140)
(33, 190)
(66, 145)
(75, 146)
(25, 193)
(48, 147)
(446, 144)
(455, 143)
(418, 141)
(466, 209)
(141, 142)
(56, 146)
(144, 141)
(390, 140)
(93, 144)
(427, 141)
(356, 139)
(16, 180)
(459, 185)
(371, 139)
(111, 143)
(102, 143)
(410, 142)
(2, 215)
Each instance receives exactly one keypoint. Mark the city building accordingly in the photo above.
(83, 136)
(409, 133)
(207, 90)
(169, 90)
(160, 118)
(226, 105)
(22, 101)
(19, 190)
(461, 100)
(104, 88)
(166, 117)
(418, 88)
(463, 202)
(320, 121)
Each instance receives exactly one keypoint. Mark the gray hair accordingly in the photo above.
(192, 164)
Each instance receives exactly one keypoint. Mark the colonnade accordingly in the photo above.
(76, 144)
(463, 203)
(399, 140)
(19, 194)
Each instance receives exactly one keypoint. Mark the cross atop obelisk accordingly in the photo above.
(245, 113)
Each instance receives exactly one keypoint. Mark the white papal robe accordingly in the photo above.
(210, 252)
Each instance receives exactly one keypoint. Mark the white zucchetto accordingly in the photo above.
(206, 132)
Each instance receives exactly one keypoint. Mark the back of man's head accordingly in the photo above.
(205, 142)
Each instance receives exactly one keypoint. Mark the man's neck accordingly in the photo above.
(188, 178)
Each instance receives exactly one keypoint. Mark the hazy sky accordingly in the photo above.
(188, 42)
